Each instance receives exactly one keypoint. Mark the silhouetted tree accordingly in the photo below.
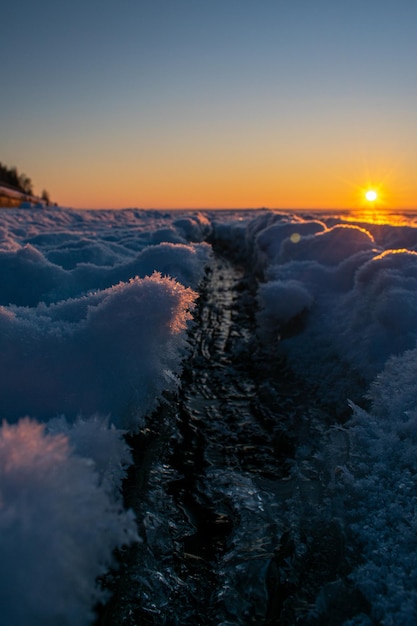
(45, 197)
(10, 176)
(25, 184)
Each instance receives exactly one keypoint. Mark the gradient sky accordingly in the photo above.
(211, 103)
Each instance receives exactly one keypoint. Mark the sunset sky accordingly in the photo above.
(211, 103)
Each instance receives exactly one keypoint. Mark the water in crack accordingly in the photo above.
(234, 531)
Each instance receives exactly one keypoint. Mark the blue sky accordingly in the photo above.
(227, 103)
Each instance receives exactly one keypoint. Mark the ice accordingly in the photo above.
(92, 332)
(95, 307)
(355, 288)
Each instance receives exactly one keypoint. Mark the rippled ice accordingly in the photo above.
(234, 489)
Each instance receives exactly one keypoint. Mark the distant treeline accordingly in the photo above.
(10, 177)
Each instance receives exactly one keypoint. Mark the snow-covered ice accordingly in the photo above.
(94, 311)
(353, 290)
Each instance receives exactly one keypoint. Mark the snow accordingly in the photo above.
(113, 351)
(58, 528)
(94, 311)
(280, 301)
(364, 296)
(95, 308)
(357, 295)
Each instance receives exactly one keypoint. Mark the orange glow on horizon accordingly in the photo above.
(260, 190)
(261, 182)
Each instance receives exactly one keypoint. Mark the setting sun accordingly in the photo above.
(371, 195)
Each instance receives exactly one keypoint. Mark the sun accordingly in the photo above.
(371, 195)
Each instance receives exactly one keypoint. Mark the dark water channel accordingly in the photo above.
(239, 520)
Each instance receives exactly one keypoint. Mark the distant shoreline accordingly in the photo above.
(13, 198)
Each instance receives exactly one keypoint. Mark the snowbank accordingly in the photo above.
(357, 300)
(95, 308)
(111, 352)
(341, 301)
(47, 267)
